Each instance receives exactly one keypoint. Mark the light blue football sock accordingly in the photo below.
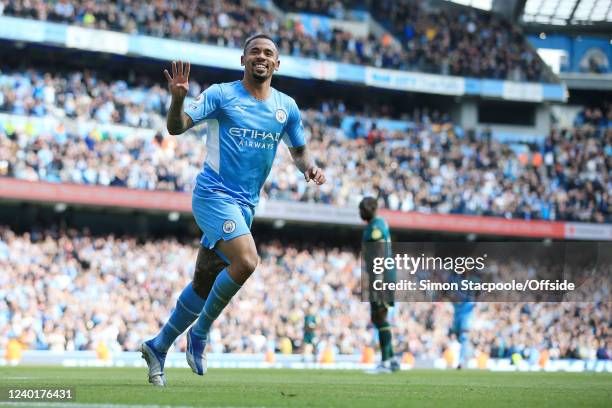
(187, 309)
(222, 291)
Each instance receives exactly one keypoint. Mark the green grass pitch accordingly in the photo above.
(118, 387)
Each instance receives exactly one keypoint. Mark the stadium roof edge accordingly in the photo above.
(585, 81)
(568, 13)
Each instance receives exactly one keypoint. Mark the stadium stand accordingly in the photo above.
(67, 122)
(447, 42)
(465, 42)
(417, 168)
(70, 290)
(331, 8)
(84, 96)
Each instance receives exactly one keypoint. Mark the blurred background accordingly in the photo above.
(469, 120)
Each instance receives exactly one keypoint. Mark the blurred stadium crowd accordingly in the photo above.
(431, 165)
(73, 291)
(446, 42)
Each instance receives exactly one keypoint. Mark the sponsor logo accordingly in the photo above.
(255, 134)
(229, 226)
(255, 138)
(281, 115)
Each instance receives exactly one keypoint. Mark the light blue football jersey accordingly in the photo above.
(243, 135)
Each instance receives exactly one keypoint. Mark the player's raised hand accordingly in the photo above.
(315, 174)
(178, 82)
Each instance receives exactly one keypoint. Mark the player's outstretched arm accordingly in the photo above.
(178, 84)
(303, 161)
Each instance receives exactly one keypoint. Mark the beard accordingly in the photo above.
(260, 77)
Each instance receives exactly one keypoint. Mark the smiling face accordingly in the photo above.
(260, 59)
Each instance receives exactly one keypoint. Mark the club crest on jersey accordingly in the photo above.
(229, 226)
(281, 115)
